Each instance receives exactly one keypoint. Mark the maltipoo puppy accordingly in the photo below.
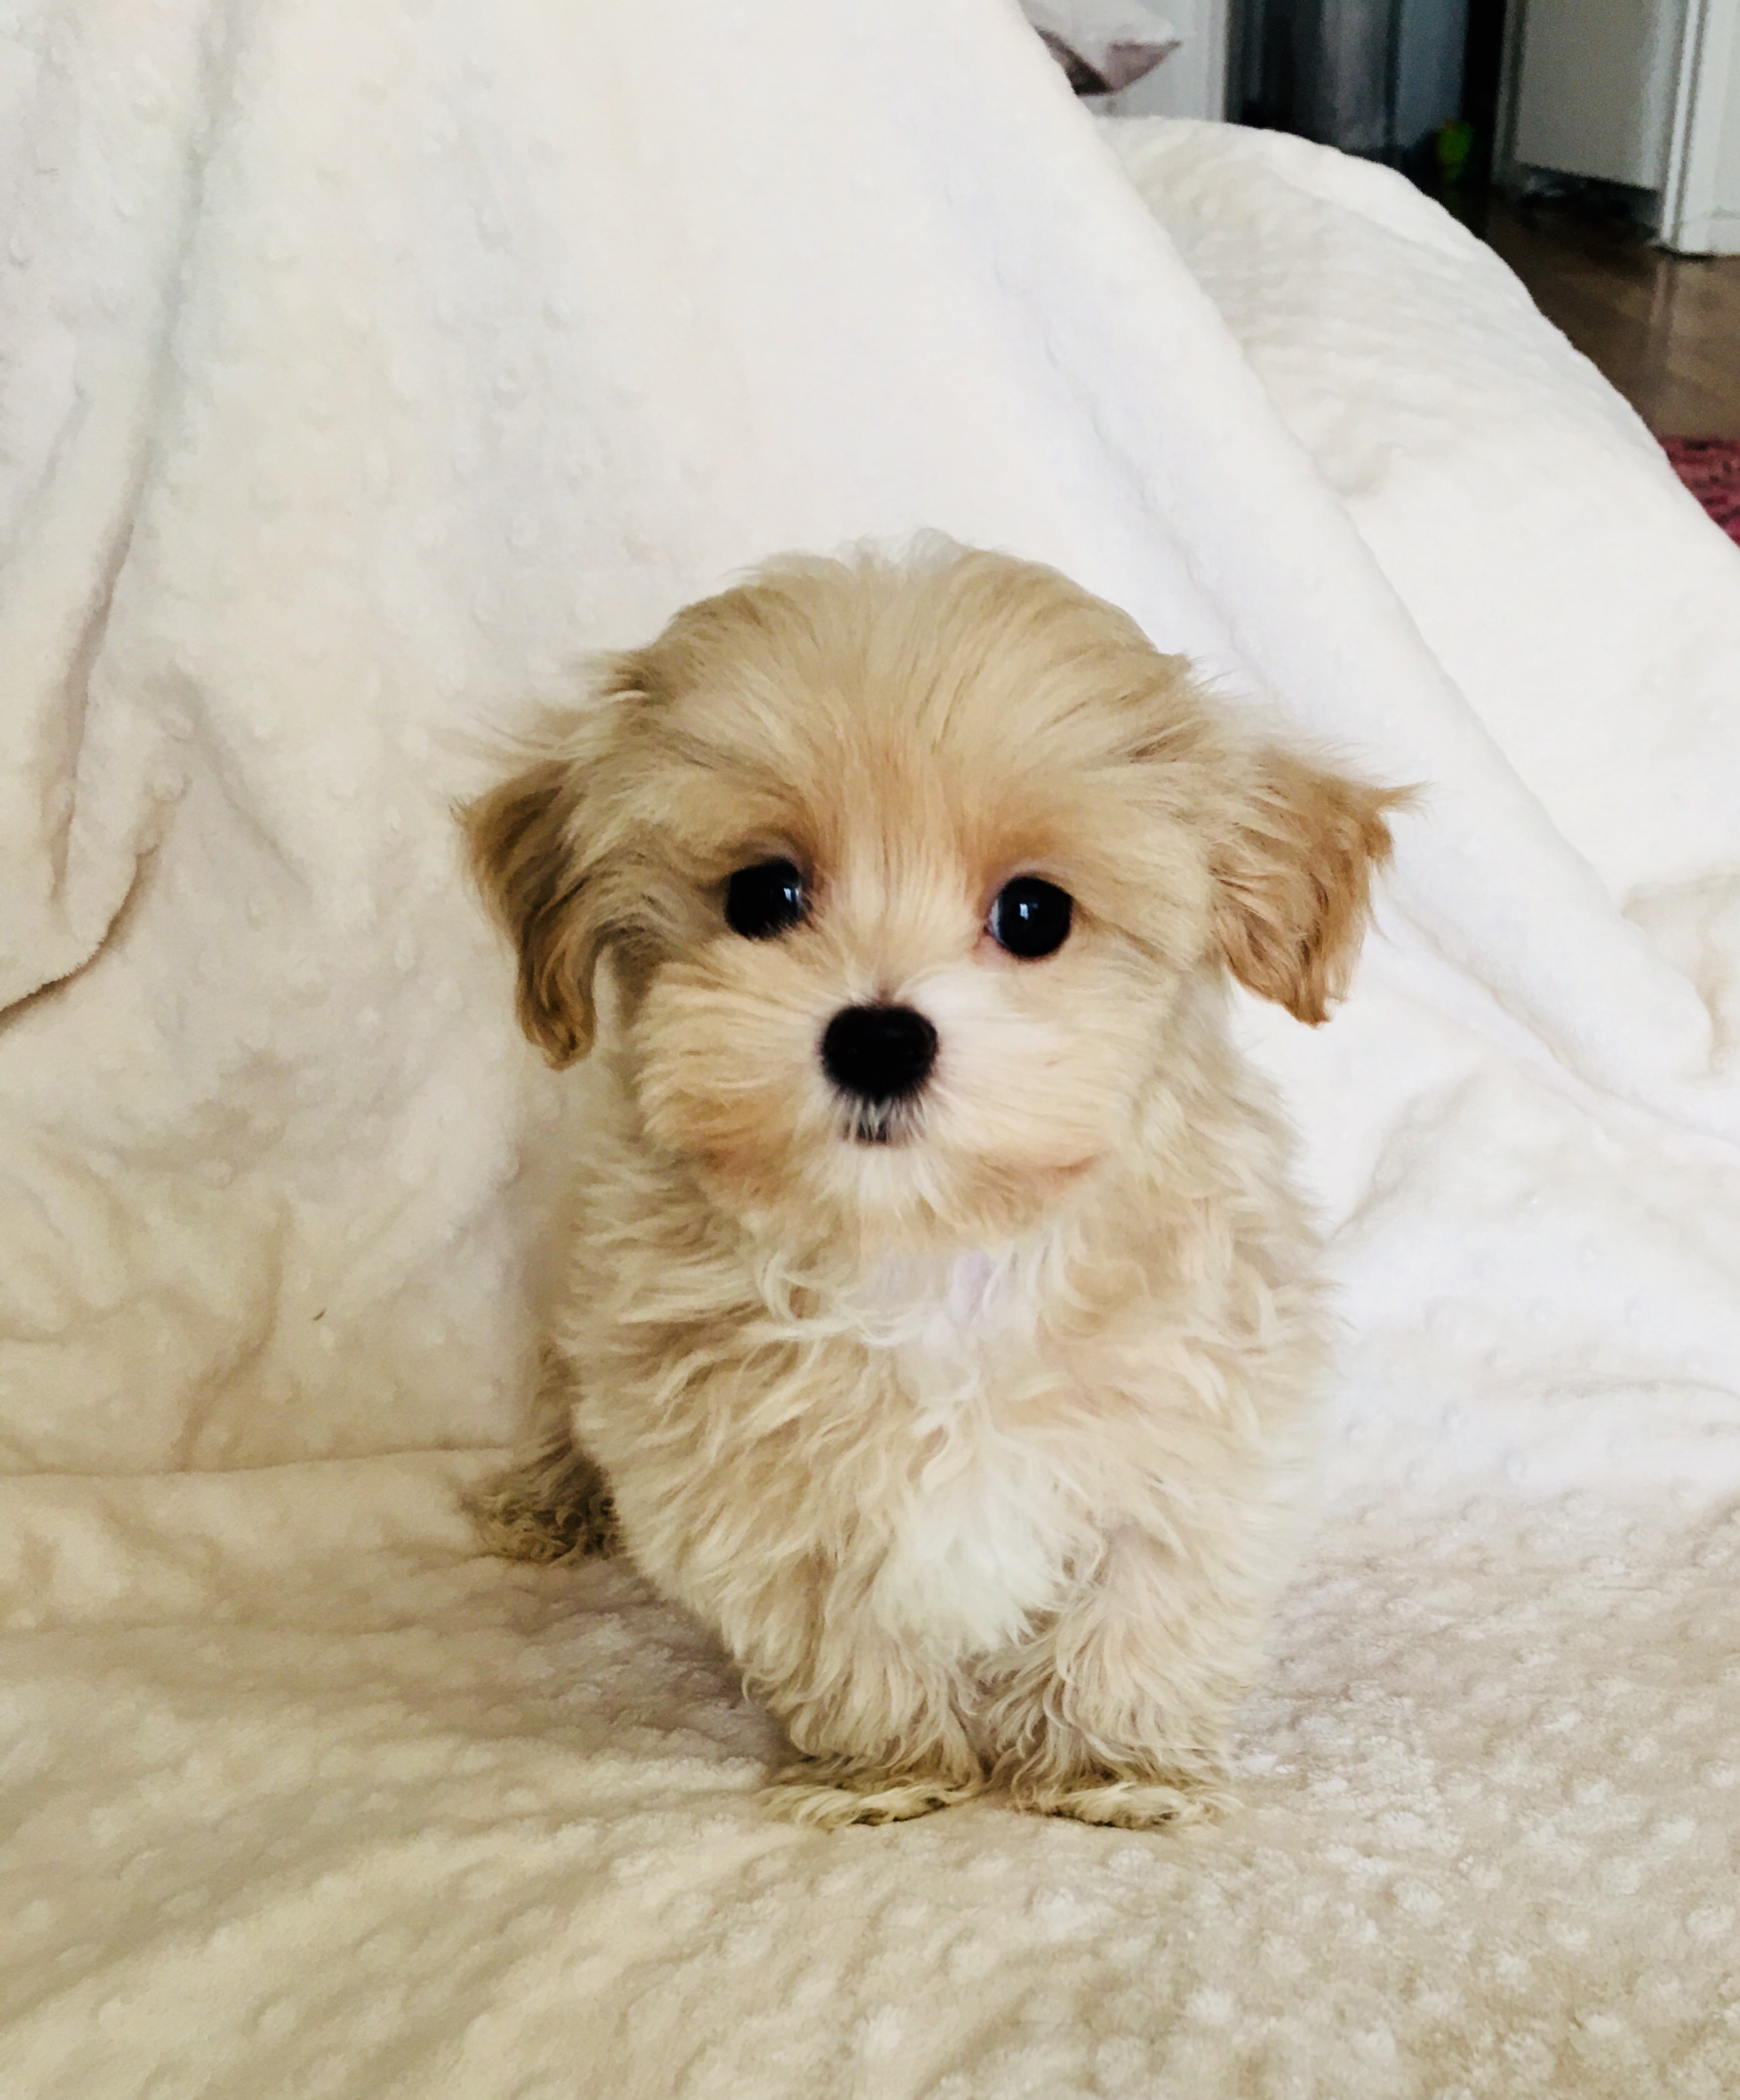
(938, 1316)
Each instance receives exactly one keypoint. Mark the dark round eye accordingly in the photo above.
(1031, 918)
(763, 901)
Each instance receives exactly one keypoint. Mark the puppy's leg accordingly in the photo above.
(1117, 1711)
(556, 1507)
(881, 1734)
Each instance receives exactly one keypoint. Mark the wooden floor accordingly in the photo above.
(1664, 328)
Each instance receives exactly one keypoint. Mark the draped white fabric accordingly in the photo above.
(361, 367)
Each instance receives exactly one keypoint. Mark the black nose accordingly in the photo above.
(879, 1052)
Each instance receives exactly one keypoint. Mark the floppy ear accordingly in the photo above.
(1293, 880)
(531, 868)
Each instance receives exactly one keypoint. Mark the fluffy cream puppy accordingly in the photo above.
(938, 1316)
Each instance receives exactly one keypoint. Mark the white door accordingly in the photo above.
(1595, 88)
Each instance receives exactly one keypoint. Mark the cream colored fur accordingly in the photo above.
(972, 1445)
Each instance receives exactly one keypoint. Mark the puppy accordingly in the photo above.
(938, 1317)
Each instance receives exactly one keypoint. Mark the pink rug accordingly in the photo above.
(1709, 467)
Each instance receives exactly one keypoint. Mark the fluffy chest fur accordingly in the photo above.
(904, 1441)
(981, 1526)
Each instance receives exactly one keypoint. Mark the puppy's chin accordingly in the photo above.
(889, 1187)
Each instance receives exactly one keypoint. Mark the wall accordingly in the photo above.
(1725, 231)
(1192, 82)
(1702, 202)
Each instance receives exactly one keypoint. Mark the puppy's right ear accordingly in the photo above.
(531, 867)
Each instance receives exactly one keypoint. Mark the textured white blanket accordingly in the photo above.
(362, 363)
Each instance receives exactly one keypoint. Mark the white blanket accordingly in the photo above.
(360, 366)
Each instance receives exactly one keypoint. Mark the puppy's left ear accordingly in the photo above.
(1293, 880)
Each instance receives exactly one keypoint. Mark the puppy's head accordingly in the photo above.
(908, 873)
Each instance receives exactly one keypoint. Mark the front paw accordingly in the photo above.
(1164, 1801)
(819, 1792)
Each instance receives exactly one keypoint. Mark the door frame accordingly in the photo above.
(1694, 221)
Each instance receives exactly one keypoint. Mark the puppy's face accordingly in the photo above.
(906, 872)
